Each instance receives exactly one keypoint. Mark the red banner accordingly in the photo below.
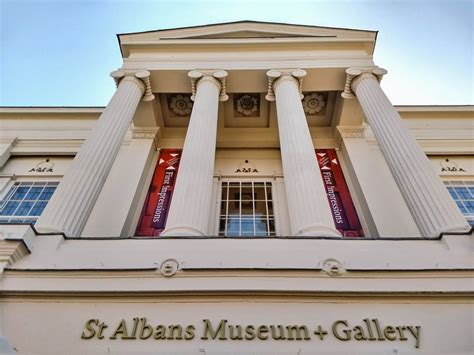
(156, 208)
(342, 208)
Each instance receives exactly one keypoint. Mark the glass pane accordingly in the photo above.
(222, 225)
(234, 193)
(247, 226)
(224, 192)
(233, 225)
(247, 208)
(37, 208)
(260, 209)
(9, 208)
(223, 208)
(247, 193)
(271, 223)
(261, 225)
(234, 209)
(47, 193)
(33, 193)
(24, 208)
(259, 193)
(20, 193)
(270, 207)
(269, 192)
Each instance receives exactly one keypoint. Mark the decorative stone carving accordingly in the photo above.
(219, 75)
(44, 166)
(180, 105)
(313, 103)
(246, 167)
(333, 267)
(356, 73)
(449, 165)
(169, 267)
(247, 104)
(141, 75)
(273, 75)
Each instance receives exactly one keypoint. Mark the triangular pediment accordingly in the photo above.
(234, 32)
(248, 34)
(246, 29)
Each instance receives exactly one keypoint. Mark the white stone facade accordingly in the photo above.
(248, 104)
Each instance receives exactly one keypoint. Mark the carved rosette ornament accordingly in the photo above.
(276, 75)
(181, 105)
(219, 77)
(247, 105)
(143, 76)
(313, 103)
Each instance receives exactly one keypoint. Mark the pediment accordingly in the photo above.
(248, 34)
(245, 29)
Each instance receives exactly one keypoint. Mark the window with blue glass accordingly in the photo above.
(25, 201)
(463, 194)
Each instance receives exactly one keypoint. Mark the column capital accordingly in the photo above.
(355, 75)
(217, 77)
(139, 77)
(276, 76)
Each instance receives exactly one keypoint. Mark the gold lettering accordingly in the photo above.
(416, 333)
(400, 331)
(172, 328)
(134, 330)
(189, 335)
(90, 328)
(292, 329)
(359, 333)
(249, 332)
(262, 332)
(281, 336)
(389, 332)
(213, 334)
(160, 332)
(347, 332)
(239, 332)
(121, 330)
(102, 326)
(146, 330)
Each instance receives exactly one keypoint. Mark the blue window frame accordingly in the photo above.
(25, 201)
(462, 193)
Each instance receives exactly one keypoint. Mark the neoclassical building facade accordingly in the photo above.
(249, 188)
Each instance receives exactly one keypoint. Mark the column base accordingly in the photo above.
(49, 229)
(182, 232)
(459, 229)
(318, 231)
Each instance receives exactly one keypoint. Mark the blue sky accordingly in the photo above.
(60, 53)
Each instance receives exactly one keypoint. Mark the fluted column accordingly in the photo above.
(72, 202)
(429, 202)
(191, 201)
(308, 206)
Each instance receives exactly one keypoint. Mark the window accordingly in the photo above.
(463, 194)
(246, 209)
(25, 201)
